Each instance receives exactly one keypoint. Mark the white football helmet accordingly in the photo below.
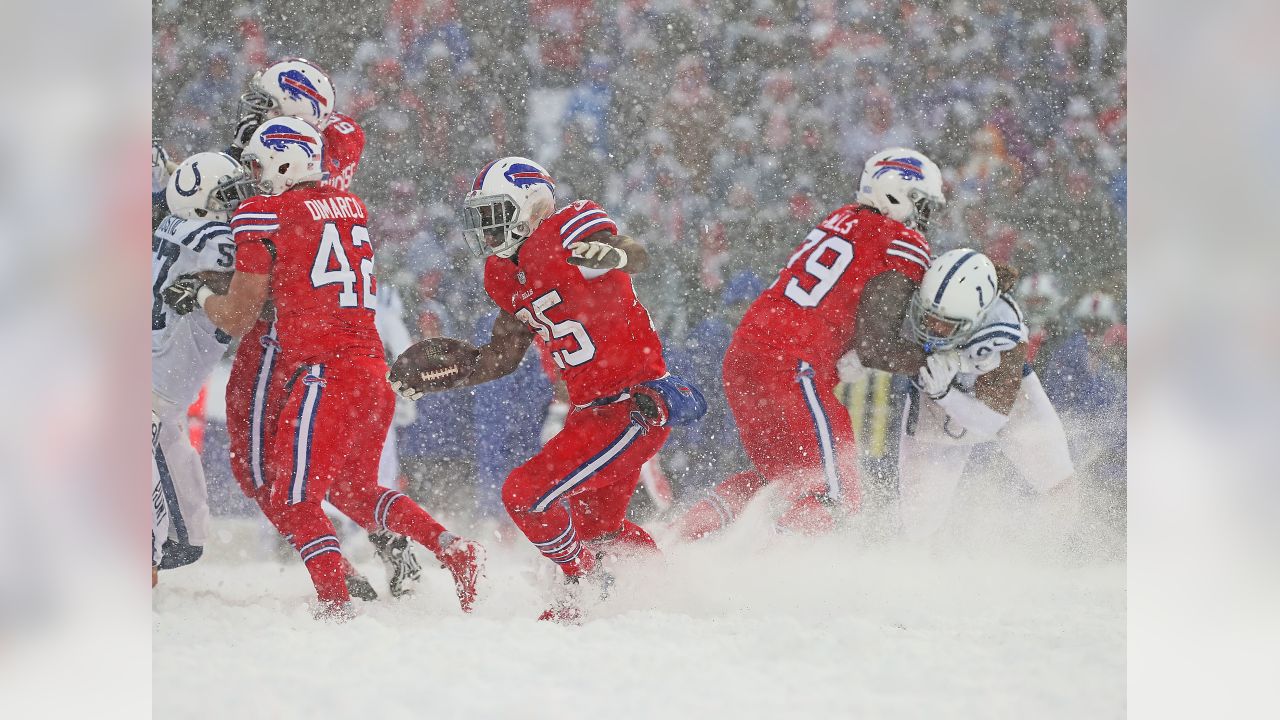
(290, 87)
(904, 185)
(955, 294)
(508, 201)
(1097, 308)
(283, 152)
(207, 186)
(1041, 297)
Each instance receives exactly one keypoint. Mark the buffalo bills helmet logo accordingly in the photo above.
(280, 137)
(195, 184)
(298, 87)
(522, 175)
(910, 168)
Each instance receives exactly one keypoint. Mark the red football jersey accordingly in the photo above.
(315, 244)
(598, 333)
(343, 146)
(813, 305)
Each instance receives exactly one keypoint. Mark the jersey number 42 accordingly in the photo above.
(332, 253)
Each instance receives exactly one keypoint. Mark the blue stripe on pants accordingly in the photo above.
(171, 497)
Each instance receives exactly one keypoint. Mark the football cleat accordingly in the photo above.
(574, 594)
(403, 568)
(357, 585)
(464, 559)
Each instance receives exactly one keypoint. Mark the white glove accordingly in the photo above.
(985, 356)
(940, 368)
(403, 390)
(974, 364)
(849, 367)
(597, 256)
(406, 411)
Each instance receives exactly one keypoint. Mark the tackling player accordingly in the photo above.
(307, 246)
(975, 387)
(292, 87)
(564, 277)
(843, 289)
(196, 240)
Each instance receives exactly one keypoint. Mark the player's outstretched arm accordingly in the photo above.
(438, 364)
(878, 340)
(605, 251)
(237, 310)
(504, 351)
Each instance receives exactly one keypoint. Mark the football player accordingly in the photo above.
(194, 239)
(298, 88)
(974, 387)
(842, 290)
(307, 246)
(563, 276)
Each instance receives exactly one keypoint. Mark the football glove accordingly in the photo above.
(984, 355)
(596, 255)
(404, 390)
(184, 294)
(934, 379)
(244, 130)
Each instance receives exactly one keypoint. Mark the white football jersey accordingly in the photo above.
(185, 348)
(1002, 329)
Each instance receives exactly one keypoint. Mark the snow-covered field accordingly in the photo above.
(731, 628)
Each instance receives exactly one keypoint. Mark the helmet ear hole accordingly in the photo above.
(201, 212)
(283, 169)
(893, 199)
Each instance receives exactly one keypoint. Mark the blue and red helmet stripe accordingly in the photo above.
(480, 178)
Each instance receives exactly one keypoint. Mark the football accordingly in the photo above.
(435, 364)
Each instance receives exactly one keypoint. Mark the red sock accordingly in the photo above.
(807, 516)
(396, 512)
(309, 531)
(329, 576)
(721, 505)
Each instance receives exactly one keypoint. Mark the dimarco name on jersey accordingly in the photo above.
(335, 207)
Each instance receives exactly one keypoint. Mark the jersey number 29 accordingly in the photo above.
(331, 252)
(828, 257)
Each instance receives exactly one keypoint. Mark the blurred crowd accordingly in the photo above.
(717, 132)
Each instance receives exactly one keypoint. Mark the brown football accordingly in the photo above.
(435, 364)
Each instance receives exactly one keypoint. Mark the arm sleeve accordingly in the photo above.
(253, 231)
(908, 253)
(585, 219)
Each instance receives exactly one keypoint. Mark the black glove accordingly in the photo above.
(183, 294)
(244, 130)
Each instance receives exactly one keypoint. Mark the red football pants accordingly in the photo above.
(328, 440)
(576, 489)
(797, 435)
(255, 392)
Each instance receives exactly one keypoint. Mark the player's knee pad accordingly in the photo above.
(669, 400)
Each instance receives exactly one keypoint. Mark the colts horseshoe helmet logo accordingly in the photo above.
(195, 186)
